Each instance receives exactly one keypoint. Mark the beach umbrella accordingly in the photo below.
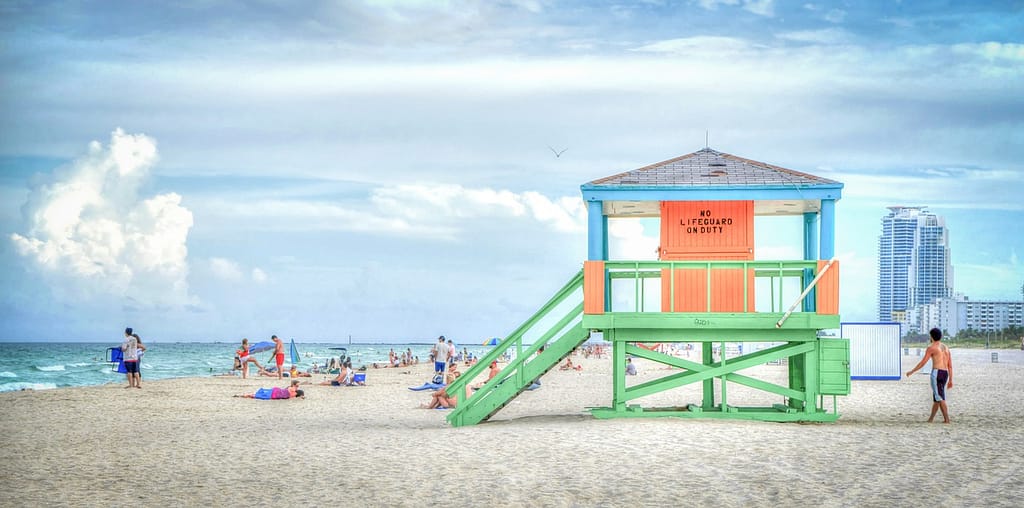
(492, 341)
(295, 353)
(260, 347)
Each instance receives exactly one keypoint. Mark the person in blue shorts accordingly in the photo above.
(942, 373)
(441, 354)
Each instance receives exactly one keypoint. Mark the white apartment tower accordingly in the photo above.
(914, 265)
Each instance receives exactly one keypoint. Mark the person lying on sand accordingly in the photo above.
(292, 392)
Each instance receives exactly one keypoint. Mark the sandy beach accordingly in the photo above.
(188, 442)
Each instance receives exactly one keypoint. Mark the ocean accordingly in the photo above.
(47, 365)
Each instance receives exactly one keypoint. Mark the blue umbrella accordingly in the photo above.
(492, 341)
(260, 347)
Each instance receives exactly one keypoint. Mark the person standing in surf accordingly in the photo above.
(130, 347)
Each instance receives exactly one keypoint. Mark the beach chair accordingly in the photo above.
(116, 357)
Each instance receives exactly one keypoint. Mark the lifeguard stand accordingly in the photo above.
(706, 202)
(705, 284)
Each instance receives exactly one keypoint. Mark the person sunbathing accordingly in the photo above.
(344, 378)
(295, 372)
(275, 393)
(490, 375)
(441, 399)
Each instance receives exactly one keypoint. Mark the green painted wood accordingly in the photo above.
(709, 370)
(498, 392)
(834, 367)
(768, 414)
(763, 356)
(751, 324)
(814, 370)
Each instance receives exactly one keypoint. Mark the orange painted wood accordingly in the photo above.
(593, 287)
(827, 290)
(707, 230)
(713, 228)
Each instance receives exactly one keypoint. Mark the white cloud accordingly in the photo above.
(713, 4)
(445, 204)
(702, 44)
(259, 276)
(225, 269)
(975, 188)
(629, 239)
(90, 231)
(823, 36)
(992, 50)
(835, 16)
(760, 7)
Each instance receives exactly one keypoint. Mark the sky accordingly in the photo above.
(386, 170)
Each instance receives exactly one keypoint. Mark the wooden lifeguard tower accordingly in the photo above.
(706, 288)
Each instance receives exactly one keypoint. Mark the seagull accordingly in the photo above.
(556, 152)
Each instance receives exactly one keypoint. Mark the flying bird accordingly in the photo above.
(557, 152)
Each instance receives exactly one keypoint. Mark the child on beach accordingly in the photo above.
(942, 373)
(244, 359)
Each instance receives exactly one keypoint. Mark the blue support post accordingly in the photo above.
(828, 229)
(597, 234)
(810, 254)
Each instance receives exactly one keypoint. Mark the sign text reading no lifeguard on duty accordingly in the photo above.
(705, 224)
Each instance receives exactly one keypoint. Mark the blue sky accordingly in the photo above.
(212, 170)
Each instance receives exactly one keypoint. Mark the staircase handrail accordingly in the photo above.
(516, 337)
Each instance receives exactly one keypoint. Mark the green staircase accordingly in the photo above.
(557, 328)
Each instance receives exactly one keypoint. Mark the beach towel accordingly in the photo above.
(271, 393)
(427, 386)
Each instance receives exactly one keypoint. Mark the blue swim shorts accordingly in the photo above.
(939, 379)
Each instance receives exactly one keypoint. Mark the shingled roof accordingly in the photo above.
(711, 168)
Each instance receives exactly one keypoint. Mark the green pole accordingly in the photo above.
(709, 384)
(618, 375)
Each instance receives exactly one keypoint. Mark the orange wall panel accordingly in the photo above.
(593, 287)
(827, 290)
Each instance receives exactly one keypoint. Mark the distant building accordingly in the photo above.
(914, 265)
(953, 315)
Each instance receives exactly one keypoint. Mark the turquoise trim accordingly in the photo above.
(716, 193)
(810, 235)
(597, 234)
(828, 229)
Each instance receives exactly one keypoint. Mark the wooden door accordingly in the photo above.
(706, 231)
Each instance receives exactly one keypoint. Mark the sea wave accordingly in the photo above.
(13, 387)
(8, 374)
(50, 368)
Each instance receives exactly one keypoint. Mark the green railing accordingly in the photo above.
(557, 339)
(785, 280)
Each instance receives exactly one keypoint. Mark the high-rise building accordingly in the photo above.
(914, 265)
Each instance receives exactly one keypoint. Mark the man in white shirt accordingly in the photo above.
(441, 353)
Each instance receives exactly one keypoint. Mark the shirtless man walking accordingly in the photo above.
(942, 373)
